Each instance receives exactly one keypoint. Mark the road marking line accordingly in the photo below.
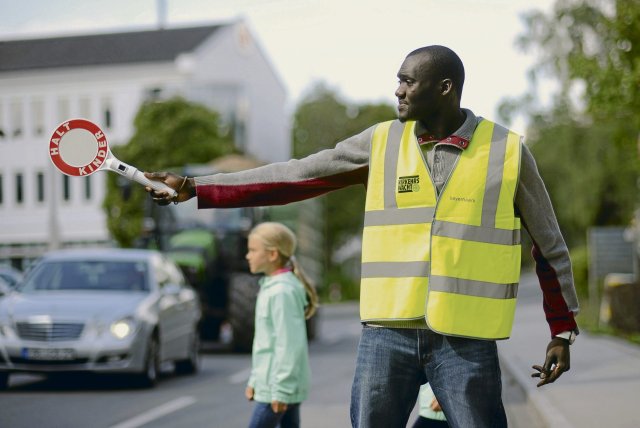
(157, 412)
(240, 377)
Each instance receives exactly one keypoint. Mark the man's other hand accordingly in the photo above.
(557, 361)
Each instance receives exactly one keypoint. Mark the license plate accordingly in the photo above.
(51, 354)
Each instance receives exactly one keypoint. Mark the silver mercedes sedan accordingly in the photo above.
(100, 310)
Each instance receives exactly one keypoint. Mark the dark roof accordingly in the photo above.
(100, 49)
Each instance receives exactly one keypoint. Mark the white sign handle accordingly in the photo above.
(132, 173)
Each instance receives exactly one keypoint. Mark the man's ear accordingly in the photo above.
(446, 86)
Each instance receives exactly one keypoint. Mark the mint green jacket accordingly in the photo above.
(280, 359)
(425, 398)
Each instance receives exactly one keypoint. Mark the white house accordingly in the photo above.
(105, 78)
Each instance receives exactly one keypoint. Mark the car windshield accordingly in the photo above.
(87, 275)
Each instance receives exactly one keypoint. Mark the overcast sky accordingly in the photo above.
(355, 46)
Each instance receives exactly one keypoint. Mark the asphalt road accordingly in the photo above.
(212, 398)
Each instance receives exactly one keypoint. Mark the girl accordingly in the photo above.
(280, 373)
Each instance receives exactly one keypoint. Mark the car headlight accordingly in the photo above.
(122, 328)
(6, 329)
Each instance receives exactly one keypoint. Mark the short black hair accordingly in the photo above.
(445, 62)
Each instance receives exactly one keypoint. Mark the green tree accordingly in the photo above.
(321, 120)
(585, 143)
(168, 135)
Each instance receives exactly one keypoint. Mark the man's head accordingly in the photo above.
(430, 82)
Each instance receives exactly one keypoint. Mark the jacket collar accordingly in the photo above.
(267, 280)
(460, 138)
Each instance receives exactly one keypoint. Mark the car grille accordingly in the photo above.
(49, 332)
(20, 360)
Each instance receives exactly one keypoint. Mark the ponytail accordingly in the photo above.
(309, 288)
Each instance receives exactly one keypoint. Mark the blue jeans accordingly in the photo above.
(263, 417)
(392, 364)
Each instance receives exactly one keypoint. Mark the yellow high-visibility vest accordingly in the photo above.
(454, 257)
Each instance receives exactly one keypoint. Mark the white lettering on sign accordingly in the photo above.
(99, 135)
(102, 143)
(81, 171)
(53, 151)
(65, 125)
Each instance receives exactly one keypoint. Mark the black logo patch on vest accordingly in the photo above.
(409, 183)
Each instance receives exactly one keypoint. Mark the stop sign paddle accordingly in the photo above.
(79, 148)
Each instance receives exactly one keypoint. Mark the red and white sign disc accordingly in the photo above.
(78, 147)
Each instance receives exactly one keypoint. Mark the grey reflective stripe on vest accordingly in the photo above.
(398, 216)
(494, 175)
(394, 269)
(469, 287)
(391, 155)
(476, 233)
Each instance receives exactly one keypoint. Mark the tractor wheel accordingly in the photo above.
(243, 290)
(313, 326)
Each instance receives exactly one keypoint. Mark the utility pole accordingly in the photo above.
(162, 14)
(54, 224)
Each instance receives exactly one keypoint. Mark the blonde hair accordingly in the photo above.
(279, 237)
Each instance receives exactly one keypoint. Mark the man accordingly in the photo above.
(447, 192)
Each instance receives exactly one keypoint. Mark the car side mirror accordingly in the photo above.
(171, 290)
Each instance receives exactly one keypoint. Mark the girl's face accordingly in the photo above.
(261, 259)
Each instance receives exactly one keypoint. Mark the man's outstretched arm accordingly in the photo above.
(277, 183)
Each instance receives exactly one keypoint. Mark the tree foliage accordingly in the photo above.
(168, 135)
(586, 141)
(321, 120)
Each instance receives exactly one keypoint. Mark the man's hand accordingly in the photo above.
(248, 393)
(184, 187)
(278, 406)
(556, 362)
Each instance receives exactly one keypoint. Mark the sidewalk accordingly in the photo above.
(602, 388)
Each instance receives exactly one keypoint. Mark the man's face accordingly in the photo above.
(418, 90)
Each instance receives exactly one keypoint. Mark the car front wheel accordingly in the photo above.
(191, 364)
(149, 376)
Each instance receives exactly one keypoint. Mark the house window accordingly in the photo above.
(16, 118)
(3, 133)
(84, 105)
(19, 188)
(64, 109)
(66, 188)
(87, 188)
(107, 112)
(154, 94)
(37, 112)
(40, 187)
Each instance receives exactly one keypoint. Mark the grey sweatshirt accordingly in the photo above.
(348, 164)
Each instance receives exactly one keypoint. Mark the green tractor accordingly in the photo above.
(210, 247)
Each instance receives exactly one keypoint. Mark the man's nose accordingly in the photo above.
(400, 92)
